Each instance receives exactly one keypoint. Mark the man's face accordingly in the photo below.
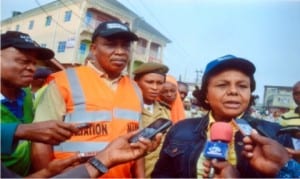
(168, 92)
(296, 94)
(111, 54)
(183, 91)
(17, 68)
(151, 85)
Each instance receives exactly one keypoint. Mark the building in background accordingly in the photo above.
(66, 27)
(278, 99)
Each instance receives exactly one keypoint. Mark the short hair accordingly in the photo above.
(182, 83)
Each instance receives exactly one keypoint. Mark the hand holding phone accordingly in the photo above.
(159, 125)
(83, 125)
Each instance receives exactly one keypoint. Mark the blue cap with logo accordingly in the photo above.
(115, 28)
(230, 61)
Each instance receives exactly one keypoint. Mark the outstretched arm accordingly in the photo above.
(120, 151)
(265, 155)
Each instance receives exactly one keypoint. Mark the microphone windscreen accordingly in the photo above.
(221, 131)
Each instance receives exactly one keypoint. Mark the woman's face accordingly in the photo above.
(151, 84)
(228, 94)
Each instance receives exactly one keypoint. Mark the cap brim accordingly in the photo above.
(121, 34)
(237, 63)
(41, 53)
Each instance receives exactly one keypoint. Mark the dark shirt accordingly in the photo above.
(186, 140)
(297, 110)
(15, 106)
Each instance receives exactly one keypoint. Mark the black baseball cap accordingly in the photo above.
(114, 28)
(230, 61)
(23, 41)
(42, 72)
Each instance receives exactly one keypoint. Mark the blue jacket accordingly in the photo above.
(185, 141)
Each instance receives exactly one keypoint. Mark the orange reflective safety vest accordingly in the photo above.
(110, 113)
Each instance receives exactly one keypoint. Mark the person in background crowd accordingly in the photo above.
(38, 84)
(117, 152)
(19, 55)
(226, 92)
(195, 110)
(98, 95)
(150, 77)
(291, 120)
(269, 116)
(196, 94)
(170, 95)
(183, 90)
(39, 78)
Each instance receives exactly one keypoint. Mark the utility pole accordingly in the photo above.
(198, 72)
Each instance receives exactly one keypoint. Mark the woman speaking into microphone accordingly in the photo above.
(226, 92)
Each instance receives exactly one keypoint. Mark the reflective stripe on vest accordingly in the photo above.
(81, 146)
(88, 116)
(139, 93)
(77, 92)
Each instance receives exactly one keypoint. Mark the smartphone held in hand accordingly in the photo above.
(159, 125)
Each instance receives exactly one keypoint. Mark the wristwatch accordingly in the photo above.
(98, 165)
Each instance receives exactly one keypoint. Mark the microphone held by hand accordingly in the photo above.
(217, 148)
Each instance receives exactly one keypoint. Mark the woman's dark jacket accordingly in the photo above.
(185, 141)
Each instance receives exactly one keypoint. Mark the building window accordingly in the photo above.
(88, 17)
(154, 50)
(48, 20)
(141, 46)
(61, 46)
(43, 45)
(31, 23)
(17, 27)
(68, 15)
(82, 49)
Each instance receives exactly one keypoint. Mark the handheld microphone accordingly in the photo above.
(217, 148)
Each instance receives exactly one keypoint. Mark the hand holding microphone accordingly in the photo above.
(216, 150)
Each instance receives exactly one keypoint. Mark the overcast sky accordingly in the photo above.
(267, 32)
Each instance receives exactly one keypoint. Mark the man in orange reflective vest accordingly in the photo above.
(98, 94)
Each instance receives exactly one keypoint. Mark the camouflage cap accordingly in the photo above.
(151, 67)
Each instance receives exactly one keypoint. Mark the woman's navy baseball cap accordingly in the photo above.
(230, 61)
(23, 41)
